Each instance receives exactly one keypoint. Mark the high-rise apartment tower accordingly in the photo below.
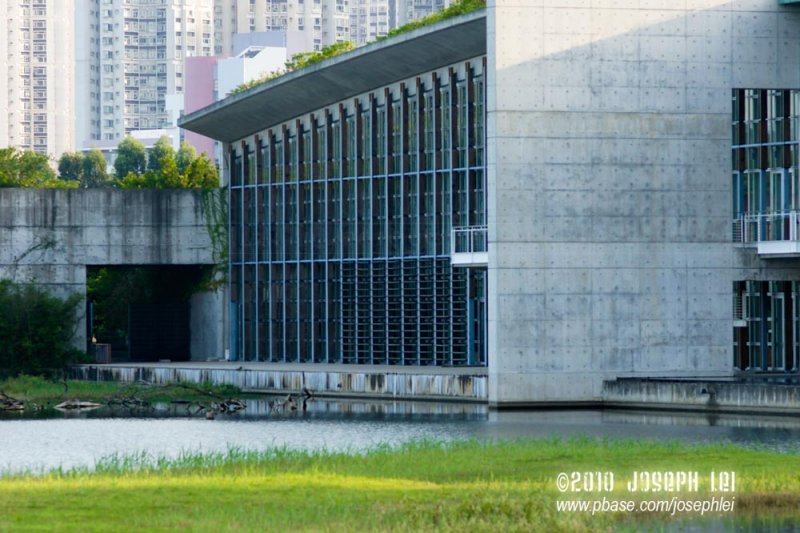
(322, 22)
(37, 75)
(134, 58)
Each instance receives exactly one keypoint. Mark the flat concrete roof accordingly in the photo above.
(341, 77)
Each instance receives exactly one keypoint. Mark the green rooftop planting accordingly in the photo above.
(305, 59)
(297, 62)
(456, 9)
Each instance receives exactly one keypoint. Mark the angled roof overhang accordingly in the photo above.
(341, 77)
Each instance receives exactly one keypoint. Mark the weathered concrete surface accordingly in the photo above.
(50, 236)
(711, 395)
(465, 384)
(609, 190)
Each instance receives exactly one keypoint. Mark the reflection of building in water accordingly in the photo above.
(558, 212)
(270, 407)
(700, 419)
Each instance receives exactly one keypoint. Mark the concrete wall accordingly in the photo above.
(609, 185)
(376, 381)
(49, 236)
(207, 324)
(703, 396)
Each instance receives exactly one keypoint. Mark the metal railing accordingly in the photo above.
(755, 228)
(470, 239)
(738, 306)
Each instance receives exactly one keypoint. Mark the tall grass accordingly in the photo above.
(427, 485)
(40, 390)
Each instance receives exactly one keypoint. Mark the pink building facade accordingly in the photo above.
(199, 93)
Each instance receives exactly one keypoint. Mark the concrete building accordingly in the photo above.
(134, 59)
(319, 22)
(50, 237)
(408, 10)
(37, 75)
(212, 78)
(365, 189)
(370, 19)
(252, 59)
(199, 93)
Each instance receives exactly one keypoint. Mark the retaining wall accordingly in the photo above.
(327, 380)
(700, 395)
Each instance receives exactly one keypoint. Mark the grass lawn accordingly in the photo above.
(43, 392)
(462, 486)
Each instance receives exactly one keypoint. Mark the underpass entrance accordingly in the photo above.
(143, 312)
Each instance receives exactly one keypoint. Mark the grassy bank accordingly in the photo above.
(43, 392)
(465, 486)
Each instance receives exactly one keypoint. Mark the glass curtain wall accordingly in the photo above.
(341, 226)
(768, 334)
(766, 192)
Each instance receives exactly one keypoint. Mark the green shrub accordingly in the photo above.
(36, 330)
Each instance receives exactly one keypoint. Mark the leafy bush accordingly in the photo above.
(36, 330)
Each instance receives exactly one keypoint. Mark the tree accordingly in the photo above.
(93, 170)
(186, 154)
(201, 174)
(34, 169)
(162, 148)
(131, 157)
(183, 169)
(88, 169)
(170, 177)
(36, 329)
(70, 166)
(28, 169)
(136, 181)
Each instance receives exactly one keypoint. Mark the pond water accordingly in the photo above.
(51, 440)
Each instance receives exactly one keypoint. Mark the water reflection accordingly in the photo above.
(51, 439)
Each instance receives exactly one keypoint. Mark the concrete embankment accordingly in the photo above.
(453, 384)
(732, 396)
(419, 383)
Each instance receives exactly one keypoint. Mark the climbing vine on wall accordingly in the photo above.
(214, 206)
